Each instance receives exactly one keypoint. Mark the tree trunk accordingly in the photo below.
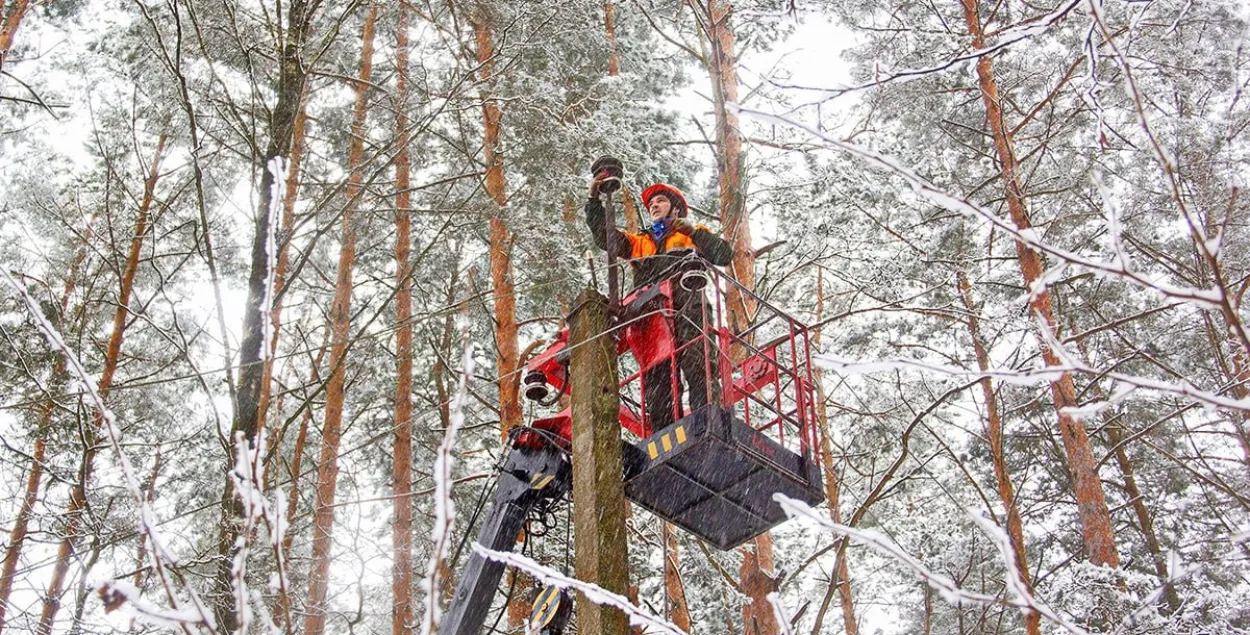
(112, 355)
(21, 524)
(609, 27)
(401, 468)
(8, 28)
(1096, 527)
(757, 562)
(292, 502)
(507, 349)
(674, 589)
(280, 267)
(290, 90)
(994, 434)
(340, 318)
(840, 581)
(17, 536)
(507, 355)
(729, 163)
(1145, 520)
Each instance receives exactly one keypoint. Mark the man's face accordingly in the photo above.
(659, 207)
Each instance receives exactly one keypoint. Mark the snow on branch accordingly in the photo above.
(1209, 298)
(946, 587)
(444, 507)
(1127, 384)
(592, 592)
(111, 592)
(247, 477)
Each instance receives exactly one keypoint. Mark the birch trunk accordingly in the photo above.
(340, 318)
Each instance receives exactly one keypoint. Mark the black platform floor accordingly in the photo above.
(715, 477)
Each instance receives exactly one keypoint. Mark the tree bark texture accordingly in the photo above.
(8, 28)
(280, 266)
(729, 162)
(296, 467)
(290, 90)
(1097, 530)
(998, 455)
(840, 580)
(674, 588)
(401, 467)
(757, 566)
(112, 355)
(506, 346)
(602, 556)
(340, 318)
(21, 524)
(609, 28)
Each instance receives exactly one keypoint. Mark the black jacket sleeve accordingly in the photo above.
(712, 248)
(595, 221)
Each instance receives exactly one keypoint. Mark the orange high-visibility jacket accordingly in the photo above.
(643, 250)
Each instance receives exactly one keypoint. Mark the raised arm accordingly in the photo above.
(595, 221)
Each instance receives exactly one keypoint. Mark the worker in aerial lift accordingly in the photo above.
(652, 254)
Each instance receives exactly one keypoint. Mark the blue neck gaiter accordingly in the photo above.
(659, 227)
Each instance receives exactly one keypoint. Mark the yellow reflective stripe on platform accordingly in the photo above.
(681, 434)
(651, 450)
(668, 445)
(545, 607)
(545, 482)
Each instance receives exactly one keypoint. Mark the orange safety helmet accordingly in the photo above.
(674, 195)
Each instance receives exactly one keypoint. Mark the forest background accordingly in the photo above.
(254, 250)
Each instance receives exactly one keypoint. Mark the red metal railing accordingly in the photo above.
(769, 385)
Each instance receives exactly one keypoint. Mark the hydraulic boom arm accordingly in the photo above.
(535, 469)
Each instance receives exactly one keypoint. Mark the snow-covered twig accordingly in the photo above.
(194, 615)
(592, 592)
(1041, 376)
(1204, 298)
(946, 587)
(247, 477)
(444, 508)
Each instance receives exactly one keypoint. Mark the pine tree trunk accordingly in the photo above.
(1145, 520)
(609, 27)
(17, 536)
(1096, 527)
(841, 578)
(112, 355)
(280, 266)
(292, 501)
(290, 90)
(340, 318)
(401, 468)
(994, 434)
(729, 163)
(757, 566)
(674, 588)
(507, 348)
(8, 28)
(21, 524)
(500, 242)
